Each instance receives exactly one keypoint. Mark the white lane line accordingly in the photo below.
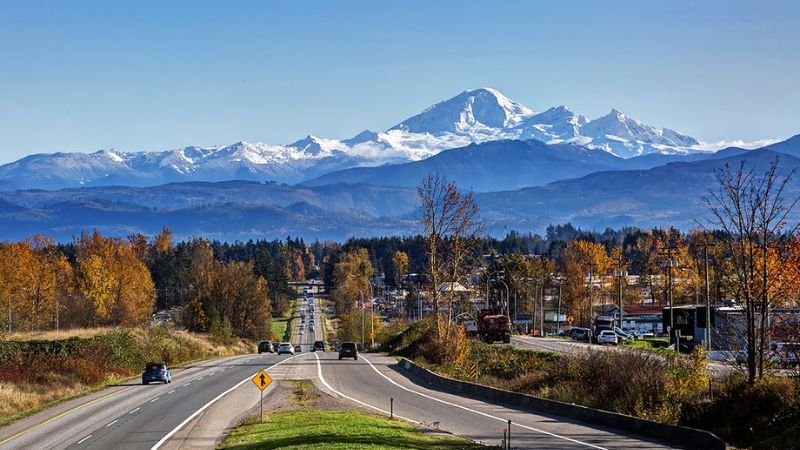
(383, 411)
(155, 399)
(186, 384)
(84, 439)
(133, 411)
(170, 392)
(207, 405)
(478, 412)
(112, 423)
(200, 378)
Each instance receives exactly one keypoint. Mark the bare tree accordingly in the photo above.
(451, 230)
(752, 210)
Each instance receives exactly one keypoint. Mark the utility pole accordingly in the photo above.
(620, 274)
(591, 288)
(708, 294)
(558, 317)
(670, 263)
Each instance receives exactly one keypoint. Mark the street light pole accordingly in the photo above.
(508, 301)
(558, 317)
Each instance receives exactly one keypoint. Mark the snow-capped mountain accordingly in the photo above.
(474, 116)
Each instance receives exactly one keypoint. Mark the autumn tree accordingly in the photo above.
(400, 265)
(451, 229)
(584, 264)
(752, 209)
(117, 283)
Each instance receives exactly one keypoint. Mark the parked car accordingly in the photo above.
(348, 350)
(265, 347)
(155, 371)
(786, 354)
(623, 335)
(579, 334)
(607, 337)
(285, 348)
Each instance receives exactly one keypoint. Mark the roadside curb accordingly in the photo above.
(685, 436)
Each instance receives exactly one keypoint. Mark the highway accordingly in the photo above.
(205, 399)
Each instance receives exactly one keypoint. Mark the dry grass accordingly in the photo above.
(52, 335)
(17, 398)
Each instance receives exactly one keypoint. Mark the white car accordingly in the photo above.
(285, 348)
(607, 337)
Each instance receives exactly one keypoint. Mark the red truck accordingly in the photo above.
(494, 327)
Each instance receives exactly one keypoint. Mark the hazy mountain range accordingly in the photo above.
(669, 194)
(474, 116)
(528, 170)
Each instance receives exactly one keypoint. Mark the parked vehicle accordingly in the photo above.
(602, 323)
(285, 348)
(348, 350)
(494, 327)
(786, 354)
(607, 337)
(623, 335)
(579, 334)
(265, 347)
(155, 371)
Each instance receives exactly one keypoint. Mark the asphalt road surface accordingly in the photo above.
(206, 399)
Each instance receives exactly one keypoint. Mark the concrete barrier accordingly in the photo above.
(684, 436)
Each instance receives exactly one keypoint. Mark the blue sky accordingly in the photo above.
(81, 76)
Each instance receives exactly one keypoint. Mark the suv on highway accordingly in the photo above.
(265, 347)
(285, 348)
(348, 350)
(318, 346)
(155, 371)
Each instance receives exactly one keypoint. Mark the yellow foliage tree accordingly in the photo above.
(115, 280)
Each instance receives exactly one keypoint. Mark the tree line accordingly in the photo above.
(98, 280)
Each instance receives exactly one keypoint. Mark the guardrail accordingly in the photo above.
(684, 436)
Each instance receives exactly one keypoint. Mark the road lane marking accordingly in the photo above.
(199, 379)
(322, 379)
(111, 423)
(170, 392)
(134, 410)
(479, 412)
(155, 399)
(28, 430)
(84, 439)
(186, 384)
(207, 405)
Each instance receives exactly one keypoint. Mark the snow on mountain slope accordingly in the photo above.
(473, 116)
(470, 111)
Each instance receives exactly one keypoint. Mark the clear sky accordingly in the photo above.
(82, 75)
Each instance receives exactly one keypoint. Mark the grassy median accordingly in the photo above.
(336, 430)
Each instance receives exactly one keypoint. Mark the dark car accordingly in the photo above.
(156, 372)
(348, 350)
(265, 347)
(579, 334)
(318, 346)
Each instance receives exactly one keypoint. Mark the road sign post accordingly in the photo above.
(262, 380)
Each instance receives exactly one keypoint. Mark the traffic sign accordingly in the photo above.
(570, 319)
(262, 380)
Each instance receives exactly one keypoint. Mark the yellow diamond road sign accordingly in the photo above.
(262, 380)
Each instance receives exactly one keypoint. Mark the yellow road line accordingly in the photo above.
(63, 414)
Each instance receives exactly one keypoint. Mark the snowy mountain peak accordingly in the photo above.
(469, 111)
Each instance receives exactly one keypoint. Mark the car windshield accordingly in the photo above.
(348, 346)
(153, 366)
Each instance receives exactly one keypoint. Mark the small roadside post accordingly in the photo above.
(262, 380)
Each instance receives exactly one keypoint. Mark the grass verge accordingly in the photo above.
(335, 430)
